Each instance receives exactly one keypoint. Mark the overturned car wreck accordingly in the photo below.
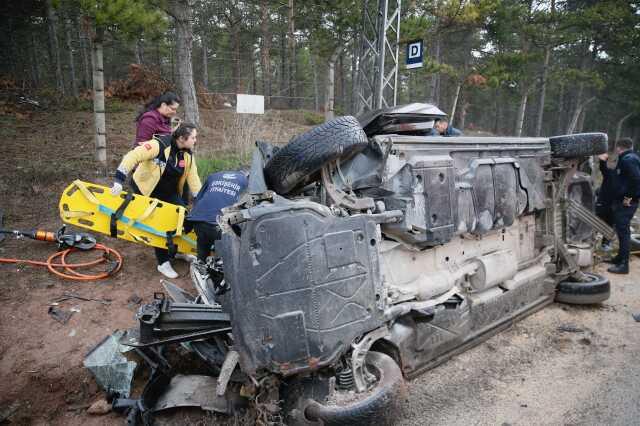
(366, 253)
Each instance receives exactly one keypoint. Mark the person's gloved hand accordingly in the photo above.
(116, 189)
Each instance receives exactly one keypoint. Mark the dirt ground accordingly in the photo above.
(42, 380)
(533, 373)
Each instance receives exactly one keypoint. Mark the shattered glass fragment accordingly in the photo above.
(112, 370)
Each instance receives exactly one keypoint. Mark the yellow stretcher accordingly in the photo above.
(145, 220)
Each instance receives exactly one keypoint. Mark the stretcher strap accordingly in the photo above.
(141, 226)
(181, 211)
(85, 191)
(113, 224)
(75, 213)
(144, 216)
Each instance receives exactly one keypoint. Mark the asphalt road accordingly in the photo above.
(535, 374)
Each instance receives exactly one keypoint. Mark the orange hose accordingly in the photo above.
(69, 268)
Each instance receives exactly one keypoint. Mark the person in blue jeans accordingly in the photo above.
(625, 202)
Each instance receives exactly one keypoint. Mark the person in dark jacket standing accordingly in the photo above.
(155, 118)
(625, 202)
(605, 197)
(442, 128)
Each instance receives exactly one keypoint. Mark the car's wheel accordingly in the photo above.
(376, 405)
(578, 145)
(634, 244)
(596, 290)
(306, 154)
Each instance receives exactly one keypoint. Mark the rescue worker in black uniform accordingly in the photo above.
(605, 196)
(625, 202)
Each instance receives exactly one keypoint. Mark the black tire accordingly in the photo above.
(376, 408)
(634, 244)
(597, 290)
(579, 145)
(292, 165)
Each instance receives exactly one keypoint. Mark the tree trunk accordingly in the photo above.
(182, 13)
(454, 104)
(619, 126)
(463, 115)
(576, 114)
(498, 110)
(98, 99)
(205, 64)
(341, 80)
(265, 57)
(35, 69)
(435, 77)
(583, 116)
(561, 103)
(330, 92)
(158, 58)
(85, 48)
(236, 70)
(353, 104)
(521, 110)
(72, 65)
(254, 78)
(139, 52)
(55, 49)
(283, 56)
(543, 91)
(316, 89)
(291, 53)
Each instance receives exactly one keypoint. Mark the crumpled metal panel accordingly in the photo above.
(304, 284)
(193, 391)
(112, 370)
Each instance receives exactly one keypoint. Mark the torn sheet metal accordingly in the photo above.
(193, 391)
(112, 370)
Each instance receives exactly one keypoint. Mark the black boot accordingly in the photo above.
(621, 268)
(614, 260)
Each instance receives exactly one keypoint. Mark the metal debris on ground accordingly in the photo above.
(67, 296)
(7, 412)
(112, 370)
(570, 328)
(60, 315)
(192, 391)
(134, 299)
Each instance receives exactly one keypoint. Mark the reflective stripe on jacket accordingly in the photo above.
(149, 165)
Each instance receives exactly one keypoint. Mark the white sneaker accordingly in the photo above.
(167, 270)
(189, 258)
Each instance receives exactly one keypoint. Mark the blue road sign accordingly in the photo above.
(415, 50)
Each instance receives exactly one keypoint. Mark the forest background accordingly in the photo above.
(504, 67)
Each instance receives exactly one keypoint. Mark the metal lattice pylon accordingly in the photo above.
(378, 62)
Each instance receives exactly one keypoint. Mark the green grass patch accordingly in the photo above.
(312, 118)
(217, 162)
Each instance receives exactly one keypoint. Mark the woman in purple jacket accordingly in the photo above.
(155, 118)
